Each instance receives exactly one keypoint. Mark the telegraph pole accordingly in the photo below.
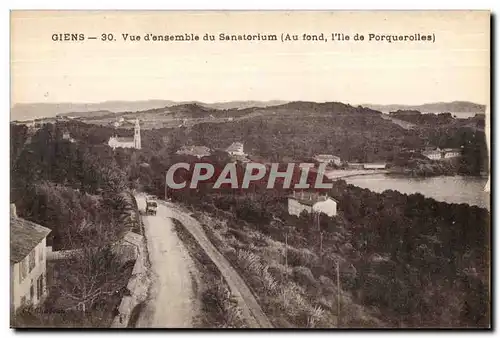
(321, 244)
(338, 294)
(286, 263)
(286, 254)
(165, 187)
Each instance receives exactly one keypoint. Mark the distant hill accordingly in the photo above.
(437, 107)
(27, 111)
(242, 104)
(92, 110)
(97, 113)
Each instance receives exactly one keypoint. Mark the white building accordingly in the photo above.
(355, 165)
(434, 154)
(236, 149)
(311, 202)
(442, 154)
(374, 166)
(127, 142)
(329, 159)
(197, 151)
(67, 136)
(451, 153)
(119, 122)
(28, 283)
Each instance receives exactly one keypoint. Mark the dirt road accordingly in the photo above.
(251, 309)
(171, 302)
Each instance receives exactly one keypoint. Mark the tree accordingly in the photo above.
(94, 272)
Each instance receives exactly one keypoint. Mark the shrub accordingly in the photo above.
(316, 315)
(277, 271)
(301, 257)
(325, 281)
(304, 277)
(251, 265)
(241, 235)
(218, 300)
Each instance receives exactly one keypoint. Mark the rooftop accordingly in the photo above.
(24, 237)
(429, 151)
(198, 151)
(123, 139)
(309, 198)
(326, 156)
(438, 150)
(235, 146)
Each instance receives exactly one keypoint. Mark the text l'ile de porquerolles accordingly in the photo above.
(250, 37)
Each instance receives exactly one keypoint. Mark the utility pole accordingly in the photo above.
(338, 295)
(321, 244)
(286, 255)
(286, 263)
(166, 187)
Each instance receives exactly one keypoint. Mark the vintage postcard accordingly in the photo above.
(250, 169)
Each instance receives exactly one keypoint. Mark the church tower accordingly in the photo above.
(137, 135)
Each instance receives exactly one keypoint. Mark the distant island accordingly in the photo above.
(27, 111)
(437, 107)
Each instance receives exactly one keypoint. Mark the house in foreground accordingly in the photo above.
(311, 202)
(28, 282)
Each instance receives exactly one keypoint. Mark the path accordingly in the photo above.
(171, 301)
(341, 174)
(251, 309)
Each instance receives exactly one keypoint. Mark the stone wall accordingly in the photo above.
(139, 282)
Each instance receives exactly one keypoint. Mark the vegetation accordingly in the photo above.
(84, 292)
(433, 120)
(419, 166)
(414, 116)
(404, 260)
(353, 134)
(92, 275)
(405, 256)
(84, 198)
(69, 188)
(289, 293)
(219, 308)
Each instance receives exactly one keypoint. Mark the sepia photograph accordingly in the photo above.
(250, 169)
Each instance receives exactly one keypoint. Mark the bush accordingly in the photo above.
(304, 277)
(241, 235)
(301, 257)
(217, 300)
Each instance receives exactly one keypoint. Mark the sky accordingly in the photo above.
(454, 67)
